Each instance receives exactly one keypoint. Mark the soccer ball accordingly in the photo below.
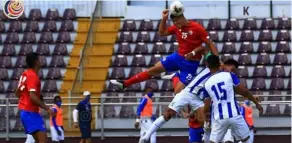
(176, 8)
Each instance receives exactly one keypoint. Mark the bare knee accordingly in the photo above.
(168, 114)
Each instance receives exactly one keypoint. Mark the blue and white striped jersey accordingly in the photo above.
(220, 88)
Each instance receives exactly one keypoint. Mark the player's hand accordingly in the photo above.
(189, 56)
(185, 115)
(136, 125)
(51, 112)
(260, 108)
(59, 132)
(165, 14)
(76, 125)
(257, 98)
(207, 126)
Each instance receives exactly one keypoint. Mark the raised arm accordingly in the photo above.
(163, 30)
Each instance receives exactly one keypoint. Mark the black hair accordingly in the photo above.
(57, 97)
(213, 61)
(175, 16)
(231, 62)
(31, 59)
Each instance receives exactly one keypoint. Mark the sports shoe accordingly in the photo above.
(118, 83)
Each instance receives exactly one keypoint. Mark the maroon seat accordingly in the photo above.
(268, 23)
(18, 126)
(284, 23)
(158, 48)
(5, 62)
(264, 47)
(249, 24)
(272, 110)
(3, 74)
(213, 35)
(134, 71)
(232, 24)
(274, 98)
(246, 47)
(143, 36)
(139, 60)
(173, 38)
(63, 37)
(46, 37)
(35, 14)
(258, 84)
(126, 36)
(283, 35)
(2, 87)
(3, 17)
(287, 110)
(258, 92)
(289, 86)
(67, 25)
(124, 48)
(283, 46)
(242, 71)
(50, 25)
(141, 48)
(260, 71)
(158, 38)
(278, 71)
(277, 84)
(244, 59)
(29, 38)
(228, 47)
(2, 27)
(118, 73)
(57, 61)
(12, 38)
(8, 50)
(167, 85)
(43, 61)
(214, 24)
(158, 23)
(15, 26)
(50, 86)
(263, 59)
(60, 49)
(69, 14)
(43, 49)
(247, 35)
(265, 35)
(280, 58)
(12, 86)
(25, 49)
(154, 59)
(20, 62)
(226, 57)
(52, 14)
(134, 87)
(17, 73)
(54, 73)
(200, 21)
(0, 39)
(173, 47)
(146, 24)
(41, 74)
(31, 26)
(129, 25)
(112, 100)
(120, 60)
(127, 111)
(109, 111)
(153, 84)
(229, 36)
(166, 99)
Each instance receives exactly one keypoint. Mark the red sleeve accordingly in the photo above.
(31, 82)
(171, 29)
(202, 32)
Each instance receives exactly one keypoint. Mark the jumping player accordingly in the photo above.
(220, 88)
(190, 36)
(28, 92)
(56, 122)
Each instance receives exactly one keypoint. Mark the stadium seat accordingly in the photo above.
(258, 92)
(124, 48)
(54, 73)
(120, 60)
(31, 26)
(12, 38)
(143, 36)
(0, 39)
(173, 38)
(25, 49)
(214, 24)
(130, 94)
(289, 85)
(52, 14)
(29, 38)
(167, 85)
(232, 24)
(46, 37)
(109, 111)
(274, 98)
(67, 25)
(260, 71)
(3, 17)
(158, 23)
(118, 73)
(247, 35)
(249, 24)
(141, 48)
(246, 47)
(158, 38)
(165, 99)
(153, 84)
(264, 47)
(258, 84)
(134, 71)
(278, 71)
(111, 100)
(277, 84)
(283, 46)
(20, 62)
(284, 23)
(18, 126)
(112, 87)
(283, 35)
(2, 27)
(263, 59)
(265, 35)
(126, 36)
(228, 47)
(213, 35)
(146, 24)
(229, 36)
(200, 21)
(245, 59)
(69, 14)
(2, 87)
(134, 87)
(242, 71)
(60, 49)
(41, 74)
(15, 26)
(50, 25)
(4, 74)
(154, 59)
(63, 37)
(50, 86)
(280, 58)
(57, 61)
(158, 48)
(13, 101)
(127, 111)
(43, 61)
(268, 23)
(139, 60)
(43, 49)
(16, 73)
(173, 47)
(226, 57)
(287, 110)
(5, 62)
(12, 86)
(129, 25)
(35, 14)
(272, 110)
(8, 50)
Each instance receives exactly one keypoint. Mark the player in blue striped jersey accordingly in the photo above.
(220, 88)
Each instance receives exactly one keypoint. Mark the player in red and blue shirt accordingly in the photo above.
(30, 100)
(190, 36)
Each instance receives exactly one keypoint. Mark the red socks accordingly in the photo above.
(175, 80)
(142, 76)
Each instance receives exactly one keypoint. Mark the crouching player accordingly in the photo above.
(56, 122)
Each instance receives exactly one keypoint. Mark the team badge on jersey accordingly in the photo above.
(190, 32)
(13, 9)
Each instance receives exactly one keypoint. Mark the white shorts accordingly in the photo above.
(185, 98)
(228, 136)
(29, 139)
(237, 124)
(206, 137)
(55, 136)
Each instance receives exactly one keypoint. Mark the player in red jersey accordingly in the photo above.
(30, 100)
(190, 36)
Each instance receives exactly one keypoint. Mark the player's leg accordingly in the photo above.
(179, 87)
(197, 106)
(62, 136)
(29, 139)
(240, 129)
(251, 135)
(54, 135)
(206, 137)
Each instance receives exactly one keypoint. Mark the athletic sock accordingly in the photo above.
(142, 76)
(155, 126)
(175, 80)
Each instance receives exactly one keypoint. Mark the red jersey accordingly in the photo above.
(29, 81)
(193, 123)
(189, 38)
